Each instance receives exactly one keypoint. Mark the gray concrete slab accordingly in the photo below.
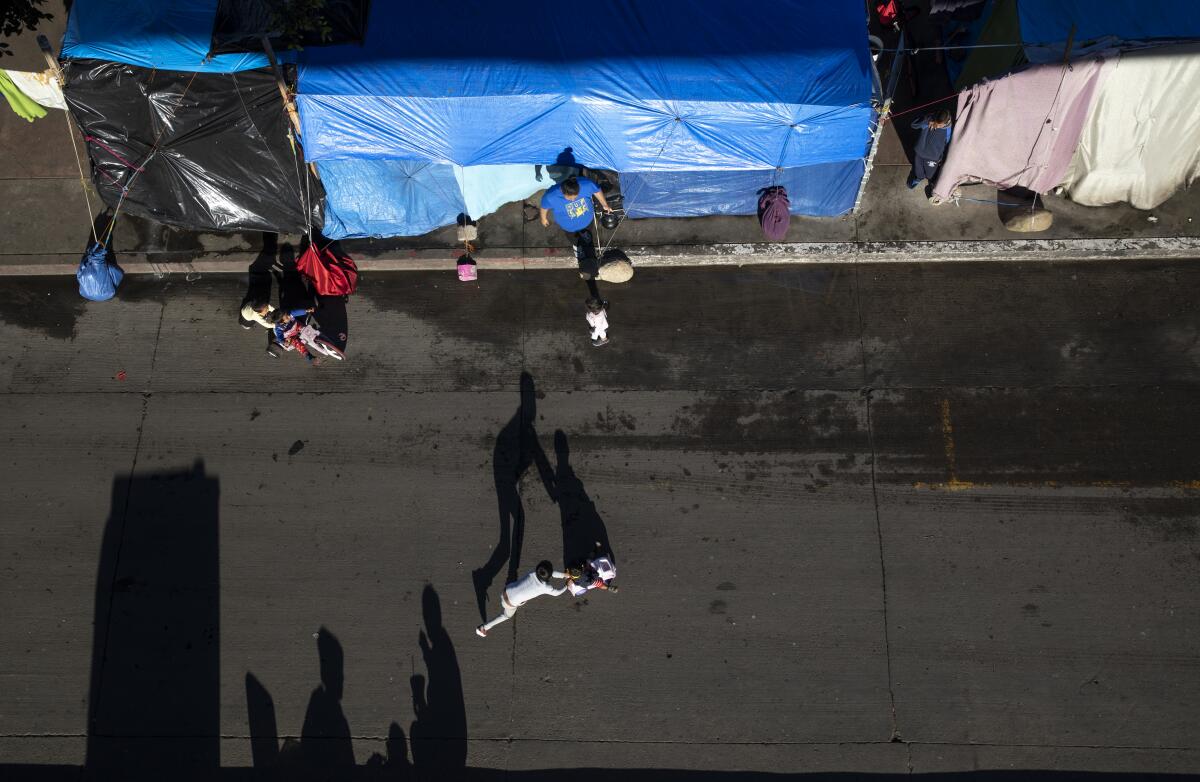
(259, 593)
(1008, 625)
(674, 502)
(1055, 762)
(1035, 324)
(799, 333)
(61, 461)
(43, 147)
(55, 343)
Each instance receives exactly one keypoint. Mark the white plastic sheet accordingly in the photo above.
(1141, 141)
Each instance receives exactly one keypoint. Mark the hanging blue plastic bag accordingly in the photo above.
(98, 279)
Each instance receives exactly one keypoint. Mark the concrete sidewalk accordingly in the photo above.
(45, 221)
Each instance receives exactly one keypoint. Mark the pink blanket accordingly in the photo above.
(1021, 130)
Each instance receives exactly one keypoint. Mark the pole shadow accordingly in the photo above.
(515, 450)
(153, 704)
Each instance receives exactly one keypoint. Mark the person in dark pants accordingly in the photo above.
(931, 146)
(571, 204)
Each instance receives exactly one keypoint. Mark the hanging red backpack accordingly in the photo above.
(332, 273)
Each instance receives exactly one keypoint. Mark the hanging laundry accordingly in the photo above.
(1021, 130)
(41, 87)
(26, 107)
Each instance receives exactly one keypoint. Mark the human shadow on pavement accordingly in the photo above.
(293, 290)
(325, 749)
(154, 696)
(515, 450)
(583, 531)
(260, 273)
(325, 738)
(439, 733)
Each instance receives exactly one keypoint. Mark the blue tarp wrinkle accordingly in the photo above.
(98, 275)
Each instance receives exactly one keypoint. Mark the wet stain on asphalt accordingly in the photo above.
(52, 307)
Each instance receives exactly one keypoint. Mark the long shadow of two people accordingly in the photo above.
(516, 450)
(325, 750)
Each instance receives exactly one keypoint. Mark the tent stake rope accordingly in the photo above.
(641, 185)
(44, 44)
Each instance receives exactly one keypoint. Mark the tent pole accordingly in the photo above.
(885, 110)
(288, 103)
(287, 100)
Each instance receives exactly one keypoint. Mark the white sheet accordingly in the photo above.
(1141, 141)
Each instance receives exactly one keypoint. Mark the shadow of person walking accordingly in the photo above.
(439, 733)
(583, 530)
(325, 738)
(515, 450)
(259, 275)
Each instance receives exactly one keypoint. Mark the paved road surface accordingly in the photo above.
(885, 520)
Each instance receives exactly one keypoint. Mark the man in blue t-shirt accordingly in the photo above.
(571, 204)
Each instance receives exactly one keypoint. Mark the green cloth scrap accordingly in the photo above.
(21, 103)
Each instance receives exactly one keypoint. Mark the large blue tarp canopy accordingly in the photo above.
(630, 85)
(1050, 21)
(170, 35)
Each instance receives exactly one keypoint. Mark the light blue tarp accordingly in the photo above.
(823, 190)
(388, 197)
(170, 35)
(408, 197)
(1049, 21)
(631, 85)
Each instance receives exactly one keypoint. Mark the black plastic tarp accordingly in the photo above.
(203, 151)
(240, 24)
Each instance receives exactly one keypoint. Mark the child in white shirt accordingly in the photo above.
(597, 318)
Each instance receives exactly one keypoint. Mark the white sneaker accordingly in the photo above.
(479, 631)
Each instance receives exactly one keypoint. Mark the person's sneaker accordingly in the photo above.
(599, 342)
(273, 351)
(244, 323)
(481, 632)
(912, 182)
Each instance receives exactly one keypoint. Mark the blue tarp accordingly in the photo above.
(412, 197)
(629, 84)
(823, 190)
(388, 197)
(1049, 21)
(166, 34)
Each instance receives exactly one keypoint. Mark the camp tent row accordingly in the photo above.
(415, 115)
(426, 117)
(1091, 102)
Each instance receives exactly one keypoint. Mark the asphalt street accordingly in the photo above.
(869, 522)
